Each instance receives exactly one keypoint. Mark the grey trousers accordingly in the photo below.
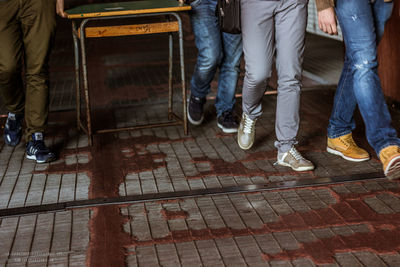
(274, 28)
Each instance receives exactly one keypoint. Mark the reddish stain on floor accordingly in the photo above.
(261, 155)
(172, 215)
(381, 234)
(111, 159)
(220, 167)
(106, 179)
(109, 242)
(383, 237)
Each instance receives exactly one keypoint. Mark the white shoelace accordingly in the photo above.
(248, 124)
(296, 154)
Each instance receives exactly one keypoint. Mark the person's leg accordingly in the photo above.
(38, 27)
(357, 23)
(290, 27)
(258, 47)
(227, 81)
(11, 86)
(11, 52)
(229, 72)
(290, 30)
(208, 42)
(341, 121)
(382, 11)
(389, 155)
(357, 20)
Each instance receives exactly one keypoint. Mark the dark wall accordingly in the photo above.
(389, 56)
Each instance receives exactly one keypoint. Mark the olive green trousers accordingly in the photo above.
(26, 33)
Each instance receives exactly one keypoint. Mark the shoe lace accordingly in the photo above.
(348, 141)
(248, 124)
(228, 116)
(40, 146)
(296, 154)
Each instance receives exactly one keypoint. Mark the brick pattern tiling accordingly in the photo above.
(25, 183)
(53, 239)
(266, 229)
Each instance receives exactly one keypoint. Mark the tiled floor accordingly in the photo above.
(346, 224)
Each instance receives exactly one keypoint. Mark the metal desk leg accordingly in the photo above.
(77, 75)
(170, 71)
(85, 82)
(185, 123)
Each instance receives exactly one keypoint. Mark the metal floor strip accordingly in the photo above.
(307, 182)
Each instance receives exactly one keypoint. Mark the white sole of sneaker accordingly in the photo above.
(300, 169)
(33, 157)
(338, 153)
(193, 121)
(393, 169)
(227, 130)
(245, 148)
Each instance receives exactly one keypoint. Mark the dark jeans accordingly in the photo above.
(362, 24)
(216, 50)
(26, 32)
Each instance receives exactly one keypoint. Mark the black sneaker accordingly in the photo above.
(37, 150)
(13, 129)
(228, 122)
(195, 110)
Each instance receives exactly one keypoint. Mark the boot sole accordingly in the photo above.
(393, 169)
(338, 153)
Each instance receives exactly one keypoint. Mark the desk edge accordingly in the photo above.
(128, 12)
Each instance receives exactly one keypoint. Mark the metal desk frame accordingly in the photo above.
(79, 37)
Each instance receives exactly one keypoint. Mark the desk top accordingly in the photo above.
(126, 8)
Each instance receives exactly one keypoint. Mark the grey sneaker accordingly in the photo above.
(294, 160)
(246, 132)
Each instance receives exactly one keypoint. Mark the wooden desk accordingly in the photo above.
(150, 8)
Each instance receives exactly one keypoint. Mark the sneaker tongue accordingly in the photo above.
(38, 136)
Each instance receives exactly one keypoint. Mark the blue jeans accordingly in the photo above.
(216, 49)
(362, 24)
